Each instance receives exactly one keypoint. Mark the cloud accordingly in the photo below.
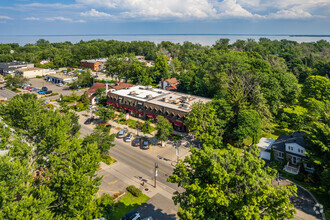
(3, 17)
(293, 13)
(56, 5)
(32, 19)
(64, 19)
(230, 8)
(95, 13)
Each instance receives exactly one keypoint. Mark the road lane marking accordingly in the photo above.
(141, 161)
(108, 191)
(113, 182)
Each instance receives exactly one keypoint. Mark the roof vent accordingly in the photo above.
(160, 92)
(133, 93)
(185, 106)
(141, 88)
(165, 99)
(149, 96)
(149, 87)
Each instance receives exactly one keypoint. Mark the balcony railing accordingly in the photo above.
(291, 168)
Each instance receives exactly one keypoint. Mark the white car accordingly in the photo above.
(60, 84)
(128, 138)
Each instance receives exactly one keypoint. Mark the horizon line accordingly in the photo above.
(211, 34)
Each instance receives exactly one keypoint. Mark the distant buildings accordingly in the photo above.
(94, 64)
(169, 84)
(60, 78)
(30, 72)
(11, 67)
(147, 103)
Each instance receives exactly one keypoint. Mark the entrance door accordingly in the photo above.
(294, 160)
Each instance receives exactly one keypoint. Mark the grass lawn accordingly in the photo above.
(107, 159)
(128, 203)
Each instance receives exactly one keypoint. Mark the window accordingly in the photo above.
(290, 148)
(280, 155)
(300, 150)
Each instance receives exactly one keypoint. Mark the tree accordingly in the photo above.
(105, 113)
(317, 87)
(85, 99)
(102, 137)
(229, 184)
(249, 125)
(164, 128)
(161, 69)
(16, 80)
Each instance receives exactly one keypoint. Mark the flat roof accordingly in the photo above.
(178, 101)
(140, 93)
(29, 69)
(60, 76)
(161, 97)
(95, 60)
(265, 143)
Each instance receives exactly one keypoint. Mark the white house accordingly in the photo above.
(265, 147)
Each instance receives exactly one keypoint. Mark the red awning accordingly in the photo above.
(131, 110)
(109, 103)
(180, 124)
(114, 104)
(151, 116)
(120, 106)
(169, 120)
(139, 112)
(126, 108)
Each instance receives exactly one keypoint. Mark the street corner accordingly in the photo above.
(111, 185)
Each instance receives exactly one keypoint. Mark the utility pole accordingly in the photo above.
(156, 173)
(177, 152)
(137, 129)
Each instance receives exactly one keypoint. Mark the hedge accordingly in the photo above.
(134, 191)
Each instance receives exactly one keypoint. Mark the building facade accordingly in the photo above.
(147, 103)
(60, 78)
(30, 72)
(94, 64)
(11, 67)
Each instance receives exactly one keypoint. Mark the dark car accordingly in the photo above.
(136, 142)
(132, 215)
(145, 144)
(44, 89)
(88, 121)
(2, 88)
(48, 92)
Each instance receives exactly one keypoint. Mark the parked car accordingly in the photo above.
(136, 142)
(132, 215)
(121, 133)
(48, 92)
(33, 89)
(128, 138)
(60, 84)
(2, 88)
(44, 92)
(88, 121)
(44, 88)
(145, 144)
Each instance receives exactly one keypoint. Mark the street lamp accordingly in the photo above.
(156, 173)
(177, 152)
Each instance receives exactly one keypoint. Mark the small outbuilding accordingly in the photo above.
(265, 145)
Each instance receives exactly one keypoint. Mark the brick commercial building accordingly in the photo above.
(147, 103)
(95, 64)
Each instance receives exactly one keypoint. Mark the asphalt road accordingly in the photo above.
(140, 160)
(7, 93)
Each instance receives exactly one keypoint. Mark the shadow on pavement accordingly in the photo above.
(147, 210)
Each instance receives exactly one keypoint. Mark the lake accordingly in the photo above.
(204, 39)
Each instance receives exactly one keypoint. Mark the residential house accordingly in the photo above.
(169, 84)
(92, 92)
(293, 147)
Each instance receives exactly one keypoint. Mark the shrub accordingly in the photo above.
(134, 191)
(38, 77)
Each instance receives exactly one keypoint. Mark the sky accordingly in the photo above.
(87, 17)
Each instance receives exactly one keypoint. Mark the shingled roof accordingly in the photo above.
(93, 89)
(296, 137)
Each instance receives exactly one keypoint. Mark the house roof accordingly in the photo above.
(121, 85)
(265, 144)
(172, 80)
(93, 89)
(171, 88)
(296, 137)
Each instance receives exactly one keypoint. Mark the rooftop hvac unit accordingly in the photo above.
(132, 93)
(160, 92)
(165, 99)
(149, 96)
(141, 88)
(185, 106)
(175, 101)
(149, 87)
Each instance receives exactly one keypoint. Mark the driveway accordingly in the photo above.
(6, 93)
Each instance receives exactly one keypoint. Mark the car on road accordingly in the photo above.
(128, 138)
(121, 133)
(88, 121)
(136, 142)
(2, 88)
(33, 89)
(132, 215)
(145, 144)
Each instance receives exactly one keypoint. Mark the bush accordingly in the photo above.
(38, 77)
(134, 191)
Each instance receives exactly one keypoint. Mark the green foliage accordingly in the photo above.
(102, 137)
(135, 191)
(85, 99)
(164, 128)
(15, 81)
(147, 129)
(229, 184)
(295, 117)
(317, 87)
(272, 156)
(249, 125)
(106, 113)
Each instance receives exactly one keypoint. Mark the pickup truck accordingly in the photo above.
(45, 92)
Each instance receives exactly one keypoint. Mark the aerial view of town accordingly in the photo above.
(156, 110)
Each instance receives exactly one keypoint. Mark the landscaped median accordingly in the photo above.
(129, 202)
